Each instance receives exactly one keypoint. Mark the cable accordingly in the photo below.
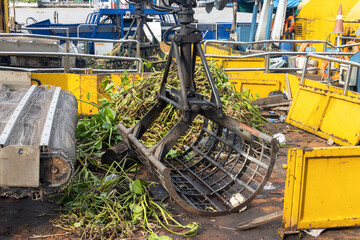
(36, 80)
(164, 35)
(31, 18)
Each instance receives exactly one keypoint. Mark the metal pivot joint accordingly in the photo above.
(227, 159)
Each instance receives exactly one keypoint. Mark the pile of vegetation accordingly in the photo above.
(110, 201)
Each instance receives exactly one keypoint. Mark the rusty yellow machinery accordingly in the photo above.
(316, 20)
(320, 189)
(327, 111)
(4, 16)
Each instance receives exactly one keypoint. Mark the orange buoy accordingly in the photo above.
(289, 28)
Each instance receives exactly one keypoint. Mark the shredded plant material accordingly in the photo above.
(116, 205)
(110, 202)
(132, 104)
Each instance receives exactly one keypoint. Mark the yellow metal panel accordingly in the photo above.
(354, 13)
(307, 108)
(239, 63)
(288, 222)
(259, 84)
(264, 83)
(4, 16)
(244, 63)
(88, 92)
(217, 49)
(67, 81)
(57, 79)
(74, 86)
(321, 192)
(327, 113)
(83, 86)
(294, 82)
(325, 9)
(258, 88)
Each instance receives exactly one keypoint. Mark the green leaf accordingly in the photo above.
(148, 64)
(106, 125)
(88, 96)
(172, 153)
(125, 76)
(108, 114)
(98, 145)
(153, 236)
(78, 224)
(104, 83)
(109, 87)
(103, 100)
(135, 208)
(136, 217)
(194, 227)
(135, 187)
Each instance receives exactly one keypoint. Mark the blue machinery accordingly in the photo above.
(104, 24)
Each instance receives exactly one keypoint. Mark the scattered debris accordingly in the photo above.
(330, 141)
(280, 137)
(269, 186)
(314, 232)
(270, 101)
(238, 199)
(259, 221)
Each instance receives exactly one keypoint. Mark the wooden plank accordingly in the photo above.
(269, 100)
(275, 105)
(15, 80)
(259, 221)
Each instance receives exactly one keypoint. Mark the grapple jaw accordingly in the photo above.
(229, 162)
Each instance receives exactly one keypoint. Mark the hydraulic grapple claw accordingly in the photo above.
(227, 165)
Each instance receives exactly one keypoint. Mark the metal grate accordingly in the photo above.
(218, 165)
(299, 29)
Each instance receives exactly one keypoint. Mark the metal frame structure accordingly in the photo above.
(45, 136)
(267, 43)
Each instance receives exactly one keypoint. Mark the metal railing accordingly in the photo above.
(67, 42)
(268, 42)
(58, 54)
(349, 63)
(67, 55)
(83, 25)
(267, 55)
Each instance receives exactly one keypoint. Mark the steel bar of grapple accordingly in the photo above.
(228, 160)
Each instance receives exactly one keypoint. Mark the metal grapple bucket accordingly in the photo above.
(220, 172)
(227, 164)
